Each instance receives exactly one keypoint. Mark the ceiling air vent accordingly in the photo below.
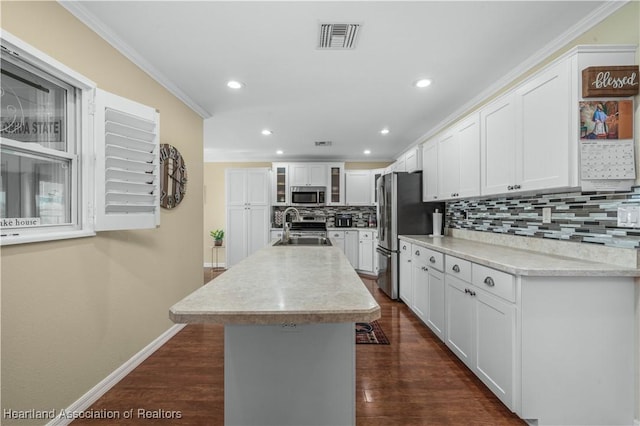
(323, 143)
(338, 36)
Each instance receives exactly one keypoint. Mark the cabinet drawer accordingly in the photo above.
(458, 267)
(366, 235)
(497, 282)
(428, 257)
(339, 235)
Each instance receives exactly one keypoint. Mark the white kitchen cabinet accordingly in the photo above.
(420, 282)
(448, 165)
(337, 239)
(358, 187)
(459, 160)
(308, 174)
(413, 160)
(459, 319)
(498, 150)
(405, 272)
(280, 183)
(526, 138)
(336, 186)
(544, 154)
(436, 303)
(352, 247)
(365, 251)
(480, 327)
(247, 196)
(494, 334)
(468, 135)
(430, 170)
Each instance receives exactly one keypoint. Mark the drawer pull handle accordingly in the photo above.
(456, 268)
(432, 259)
(489, 281)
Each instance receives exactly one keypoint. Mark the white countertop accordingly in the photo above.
(518, 261)
(279, 285)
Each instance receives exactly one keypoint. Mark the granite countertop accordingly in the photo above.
(518, 261)
(278, 285)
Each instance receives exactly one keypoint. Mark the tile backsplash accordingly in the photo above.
(575, 216)
(360, 214)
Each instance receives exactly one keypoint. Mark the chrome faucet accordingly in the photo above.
(286, 225)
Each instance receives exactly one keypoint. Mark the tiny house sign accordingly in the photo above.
(616, 81)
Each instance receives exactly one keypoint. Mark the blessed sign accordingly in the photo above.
(610, 81)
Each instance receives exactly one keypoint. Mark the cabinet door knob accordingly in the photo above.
(473, 293)
(467, 291)
(517, 187)
(489, 281)
(510, 188)
(432, 259)
(417, 253)
(456, 268)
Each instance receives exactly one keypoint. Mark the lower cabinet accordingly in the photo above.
(352, 247)
(556, 350)
(405, 274)
(435, 303)
(480, 326)
(337, 238)
(366, 251)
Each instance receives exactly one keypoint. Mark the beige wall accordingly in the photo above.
(73, 311)
(214, 204)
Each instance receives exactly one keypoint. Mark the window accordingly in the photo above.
(51, 185)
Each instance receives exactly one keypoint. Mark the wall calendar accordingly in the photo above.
(607, 147)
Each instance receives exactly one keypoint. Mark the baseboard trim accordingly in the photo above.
(86, 400)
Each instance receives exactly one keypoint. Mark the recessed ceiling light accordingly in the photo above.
(233, 84)
(384, 131)
(279, 152)
(422, 83)
(267, 132)
(367, 151)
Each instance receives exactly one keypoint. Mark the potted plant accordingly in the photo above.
(217, 236)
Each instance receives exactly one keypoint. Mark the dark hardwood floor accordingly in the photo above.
(415, 380)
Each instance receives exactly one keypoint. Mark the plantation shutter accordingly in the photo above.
(127, 170)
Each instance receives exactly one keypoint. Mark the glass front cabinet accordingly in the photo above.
(335, 186)
(280, 184)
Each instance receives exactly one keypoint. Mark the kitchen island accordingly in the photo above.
(289, 315)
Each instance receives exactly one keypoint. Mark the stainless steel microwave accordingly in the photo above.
(308, 195)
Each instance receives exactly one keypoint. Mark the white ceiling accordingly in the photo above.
(467, 48)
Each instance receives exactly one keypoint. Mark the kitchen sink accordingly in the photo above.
(305, 241)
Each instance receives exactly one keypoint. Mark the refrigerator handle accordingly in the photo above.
(383, 252)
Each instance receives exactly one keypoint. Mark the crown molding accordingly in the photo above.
(91, 21)
(598, 15)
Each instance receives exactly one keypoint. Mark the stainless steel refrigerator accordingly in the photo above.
(401, 211)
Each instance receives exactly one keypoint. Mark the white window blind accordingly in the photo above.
(127, 181)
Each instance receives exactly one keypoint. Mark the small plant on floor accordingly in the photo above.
(217, 236)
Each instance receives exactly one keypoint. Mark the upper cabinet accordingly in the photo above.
(430, 172)
(526, 136)
(336, 190)
(326, 175)
(358, 187)
(308, 174)
(413, 160)
(410, 161)
(498, 149)
(544, 128)
(280, 183)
